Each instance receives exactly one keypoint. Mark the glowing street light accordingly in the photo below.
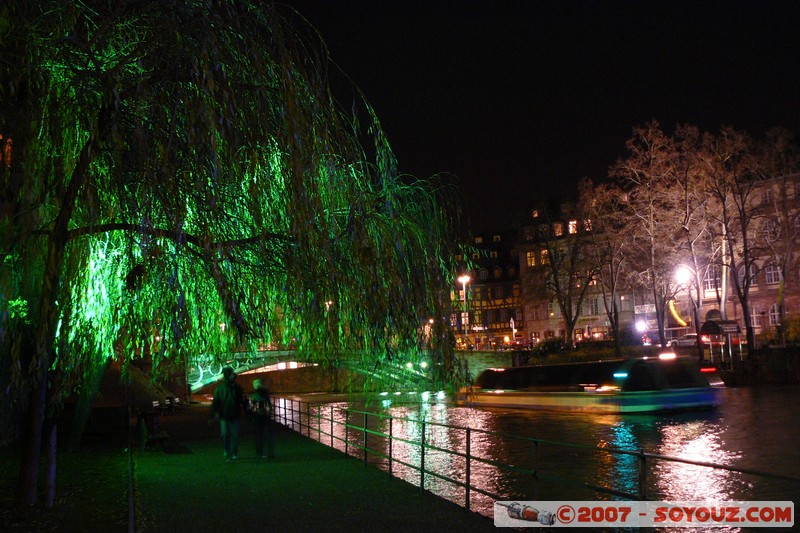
(686, 276)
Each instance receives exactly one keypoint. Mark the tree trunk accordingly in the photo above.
(83, 406)
(52, 451)
(27, 483)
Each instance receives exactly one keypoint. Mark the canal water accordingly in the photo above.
(754, 428)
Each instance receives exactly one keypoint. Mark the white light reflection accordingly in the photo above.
(679, 481)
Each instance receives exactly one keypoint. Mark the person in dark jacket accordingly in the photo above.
(261, 411)
(229, 401)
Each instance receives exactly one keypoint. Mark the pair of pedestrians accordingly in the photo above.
(229, 402)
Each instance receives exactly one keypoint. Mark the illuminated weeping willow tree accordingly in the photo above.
(181, 165)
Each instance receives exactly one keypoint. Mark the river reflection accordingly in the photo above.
(753, 428)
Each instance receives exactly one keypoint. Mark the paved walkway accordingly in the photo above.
(185, 485)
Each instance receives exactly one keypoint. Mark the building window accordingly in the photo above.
(530, 258)
(752, 275)
(772, 275)
(550, 312)
(712, 280)
(587, 224)
(771, 229)
(573, 227)
(536, 312)
(476, 255)
(535, 213)
(493, 253)
(774, 315)
(594, 306)
(545, 257)
(755, 316)
(498, 272)
(478, 240)
(495, 238)
(543, 231)
(558, 229)
(766, 196)
(483, 274)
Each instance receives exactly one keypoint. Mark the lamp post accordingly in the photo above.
(687, 277)
(464, 279)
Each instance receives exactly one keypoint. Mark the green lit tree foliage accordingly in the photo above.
(180, 165)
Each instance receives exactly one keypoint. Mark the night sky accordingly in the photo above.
(521, 99)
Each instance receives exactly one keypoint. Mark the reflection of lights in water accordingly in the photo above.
(678, 481)
(619, 471)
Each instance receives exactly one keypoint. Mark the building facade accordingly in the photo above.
(487, 310)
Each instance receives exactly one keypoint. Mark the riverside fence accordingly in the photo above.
(474, 467)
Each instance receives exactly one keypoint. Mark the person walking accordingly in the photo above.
(227, 405)
(261, 409)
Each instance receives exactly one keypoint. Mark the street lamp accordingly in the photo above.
(464, 279)
(687, 277)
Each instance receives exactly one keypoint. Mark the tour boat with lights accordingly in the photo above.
(642, 385)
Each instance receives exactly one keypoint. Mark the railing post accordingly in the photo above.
(366, 456)
(642, 475)
(308, 418)
(468, 459)
(346, 431)
(422, 460)
(331, 426)
(391, 442)
(534, 464)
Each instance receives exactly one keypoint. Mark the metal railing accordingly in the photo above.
(356, 433)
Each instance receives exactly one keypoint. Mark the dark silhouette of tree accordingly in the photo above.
(181, 181)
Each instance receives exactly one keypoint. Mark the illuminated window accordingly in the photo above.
(545, 257)
(558, 229)
(587, 225)
(774, 315)
(478, 240)
(592, 280)
(476, 255)
(530, 258)
(772, 275)
(535, 213)
(572, 227)
(496, 238)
